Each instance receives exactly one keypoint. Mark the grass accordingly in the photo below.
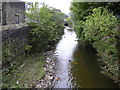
(24, 73)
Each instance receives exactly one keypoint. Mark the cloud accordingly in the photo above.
(63, 5)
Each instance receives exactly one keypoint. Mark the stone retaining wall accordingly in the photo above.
(13, 13)
(14, 40)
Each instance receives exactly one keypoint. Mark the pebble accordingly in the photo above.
(45, 69)
(17, 82)
(46, 82)
(47, 61)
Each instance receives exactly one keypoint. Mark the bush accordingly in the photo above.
(99, 31)
(46, 23)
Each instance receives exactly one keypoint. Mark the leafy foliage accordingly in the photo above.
(46, 23)
(24, 73)
(98, 30)
(96, 25)
(69, 20)
(82, 9)
(27, 49)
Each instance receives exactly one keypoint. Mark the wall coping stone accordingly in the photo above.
(13, 26)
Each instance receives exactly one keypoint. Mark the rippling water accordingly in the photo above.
(77, 66)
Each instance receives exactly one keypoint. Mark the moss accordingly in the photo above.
(24, 72)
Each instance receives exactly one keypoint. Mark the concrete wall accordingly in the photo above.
(13, 44)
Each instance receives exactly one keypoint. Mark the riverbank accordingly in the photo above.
(36, 71)
(49, 67)
(24, 72)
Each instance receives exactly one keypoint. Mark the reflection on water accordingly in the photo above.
(87, 72)
(77, 66)
(65, 49)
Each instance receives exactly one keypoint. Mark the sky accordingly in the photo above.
(63, 5)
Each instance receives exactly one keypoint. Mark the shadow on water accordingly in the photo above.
(86, 74)
(77, 65)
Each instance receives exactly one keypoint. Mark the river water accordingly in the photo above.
(77, 66)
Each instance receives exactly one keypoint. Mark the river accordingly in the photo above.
(77, 66)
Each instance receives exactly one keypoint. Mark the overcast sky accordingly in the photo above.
(63, 5)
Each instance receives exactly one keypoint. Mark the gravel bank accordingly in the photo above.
(50, 66)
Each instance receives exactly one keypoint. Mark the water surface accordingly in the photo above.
(77, 66)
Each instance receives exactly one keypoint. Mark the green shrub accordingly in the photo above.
(46, 23)
(99, 31)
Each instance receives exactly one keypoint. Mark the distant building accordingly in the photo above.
(65, 22)
(12, 12)
(27, 6)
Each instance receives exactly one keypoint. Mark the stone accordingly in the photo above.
(50, 77)
(17, 38)
(45, 69)
(47, 61)
(17, 82)
(49, 67)
(10, 12)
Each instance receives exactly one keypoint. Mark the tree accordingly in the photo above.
(46, 23)
(82, 9)
(95, 24)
